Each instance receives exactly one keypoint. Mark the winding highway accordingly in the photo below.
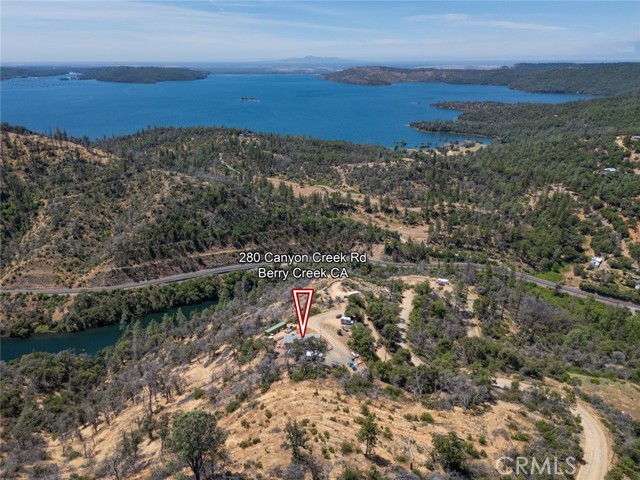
(575, 292)
(252, 266)
(597, 452)
(181, 277)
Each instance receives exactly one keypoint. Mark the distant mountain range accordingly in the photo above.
(311, 60)
(308, 64)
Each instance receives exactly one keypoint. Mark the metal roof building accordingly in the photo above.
(277, 327)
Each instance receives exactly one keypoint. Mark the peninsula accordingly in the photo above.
(119, 74)
(592, 79)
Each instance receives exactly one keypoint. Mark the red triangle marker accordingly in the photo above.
(303, 317)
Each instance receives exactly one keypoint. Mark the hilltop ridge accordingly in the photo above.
(118, 74)
(593, 79)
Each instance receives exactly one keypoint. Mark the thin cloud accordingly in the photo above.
(443, 17)
(223, 30)
(156, 14)
(465, 19)
(515, 25)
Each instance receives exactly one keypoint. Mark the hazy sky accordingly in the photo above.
(213, 30)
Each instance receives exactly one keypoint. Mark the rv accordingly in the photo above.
(346, 320)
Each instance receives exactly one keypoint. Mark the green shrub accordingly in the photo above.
(233, 406)
(249, 442)
(520, 436)
(346, 448)
(401, 458)
(426, 417)
(198, 393)
(72, 454)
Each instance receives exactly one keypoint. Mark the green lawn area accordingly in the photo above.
(554, 275)
(550, 276)
(575, 305)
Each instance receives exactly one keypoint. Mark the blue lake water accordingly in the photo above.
(89, 341)
(288, 104)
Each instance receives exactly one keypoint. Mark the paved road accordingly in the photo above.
(232, 268)
(575, 292)
(595, 445)
(145, 283)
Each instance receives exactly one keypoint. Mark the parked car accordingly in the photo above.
(354, 355)
(345, 328)
(352, 365)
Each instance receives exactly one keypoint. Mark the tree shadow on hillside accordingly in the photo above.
(379, 461)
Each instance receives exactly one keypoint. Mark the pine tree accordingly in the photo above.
(368, 433)
(296, 441)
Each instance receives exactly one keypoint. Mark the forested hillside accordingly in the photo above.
(451, 376)
(581, 151)
(598, 117)
(73, 214)
(119, 74)
(558, 185)
(594, 79)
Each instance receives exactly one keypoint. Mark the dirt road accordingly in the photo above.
(381, 352)
(595, 444)
(594, 441)
(405, 310)
(327, 325)
(597, 451)
(473, 324)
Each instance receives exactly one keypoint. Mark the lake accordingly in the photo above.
(287, 104)
(89, 341)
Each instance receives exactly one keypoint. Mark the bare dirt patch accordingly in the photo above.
(622, 395)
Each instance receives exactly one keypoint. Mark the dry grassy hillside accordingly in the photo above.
(256, 427)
